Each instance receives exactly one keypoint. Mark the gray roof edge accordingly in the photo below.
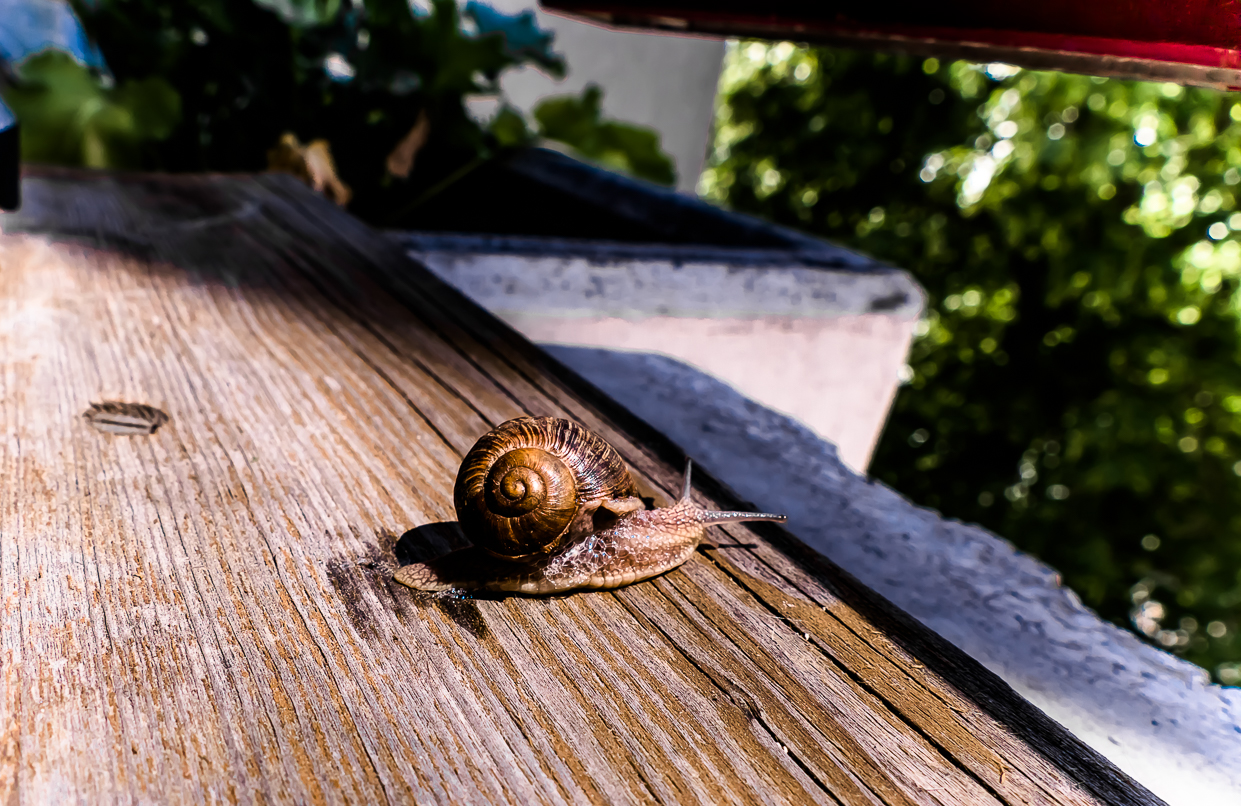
(822, 255)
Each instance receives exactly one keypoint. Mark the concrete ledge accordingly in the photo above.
(824, 346)
(1153, 715)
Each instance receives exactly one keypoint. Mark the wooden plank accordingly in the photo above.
(206, 613)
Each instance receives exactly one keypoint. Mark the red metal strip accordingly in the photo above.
(1190, 41)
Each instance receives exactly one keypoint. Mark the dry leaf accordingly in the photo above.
(311, 163)
(401, 160)
(323, 172)
(287, 157)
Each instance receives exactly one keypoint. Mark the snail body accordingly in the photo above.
(596, 535)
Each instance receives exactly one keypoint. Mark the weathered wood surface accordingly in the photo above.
(206, 614)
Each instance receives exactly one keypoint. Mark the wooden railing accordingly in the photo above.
(206, 612)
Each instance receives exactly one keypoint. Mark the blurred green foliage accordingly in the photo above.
(72, 119)
(210, 85)
(303, 12)
(1074, 385)
(578, 122)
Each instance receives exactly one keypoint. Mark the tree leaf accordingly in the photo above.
(577, 121)
(303, 13)
(69, 117)
(509, 127)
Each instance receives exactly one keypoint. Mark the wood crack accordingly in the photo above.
(747, 706)
(857, 679)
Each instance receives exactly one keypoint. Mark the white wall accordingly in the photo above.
(812, 343)
(665, 82)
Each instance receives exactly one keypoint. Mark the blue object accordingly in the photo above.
(30, 26)
(521, 32)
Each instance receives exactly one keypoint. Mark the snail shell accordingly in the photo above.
(527, 486)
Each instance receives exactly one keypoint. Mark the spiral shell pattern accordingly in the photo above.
(523, 483)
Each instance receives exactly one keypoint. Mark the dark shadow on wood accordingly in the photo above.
(428, 541)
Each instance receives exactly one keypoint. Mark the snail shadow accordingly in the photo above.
(432, 541)
(428, 542)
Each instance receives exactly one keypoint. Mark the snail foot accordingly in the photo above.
(457, 572)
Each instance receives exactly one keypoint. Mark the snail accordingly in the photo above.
(551, 508)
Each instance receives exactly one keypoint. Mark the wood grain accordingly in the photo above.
(206, 613)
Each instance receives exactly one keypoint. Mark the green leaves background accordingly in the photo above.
(578, 122)
(1075, 384)
(210, 85)
(72, 119)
